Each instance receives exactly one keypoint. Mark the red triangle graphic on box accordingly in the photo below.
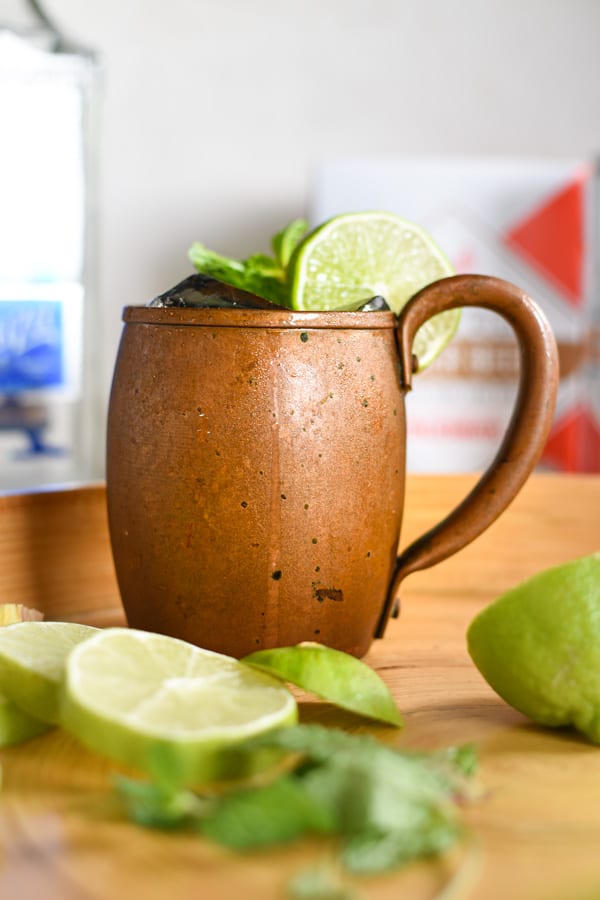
(574, 442)
(551, 239)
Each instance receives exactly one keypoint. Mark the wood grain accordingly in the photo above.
(534, 832)
(55, 554)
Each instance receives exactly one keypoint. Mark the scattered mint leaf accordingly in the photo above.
(274, 814)
(386, 806)
(464, 758)
(399, 804)
(371, 852)
(379, 799)
(153, 806)
(319, 743)
(323, 882)
(285, 242)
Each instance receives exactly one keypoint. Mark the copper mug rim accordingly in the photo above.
(257, 318)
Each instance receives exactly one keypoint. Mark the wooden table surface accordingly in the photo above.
(534, 834)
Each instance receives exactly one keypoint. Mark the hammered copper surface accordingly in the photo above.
(255, 474)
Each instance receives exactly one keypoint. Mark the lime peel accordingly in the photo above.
(333, 676)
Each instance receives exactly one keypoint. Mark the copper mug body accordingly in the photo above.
(256, 466)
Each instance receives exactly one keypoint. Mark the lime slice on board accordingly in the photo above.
(156, 702)
(15, 724)
(538, 646)
(332, 675)
(32, 661)
(353, 257)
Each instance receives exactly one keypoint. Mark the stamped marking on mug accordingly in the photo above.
(328, 594)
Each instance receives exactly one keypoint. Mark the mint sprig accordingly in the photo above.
(274, 814)
(386, 807)
(155, 805)
(285, 242)
(262, 275)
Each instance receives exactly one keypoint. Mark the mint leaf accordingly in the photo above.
(368, 798)
(231, 271)
(265, 277)
(261, 266)
(259, 274)
(285, 242)
(319, 743)
(372, 852)
(386, 806)
(274, 814)
(153, 806)
(323, 882)
(462, 759)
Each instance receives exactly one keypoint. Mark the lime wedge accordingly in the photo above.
(356, 256)
(17, 726)
(32, 661)
(538, 646)
(156, 703)
(332, 675)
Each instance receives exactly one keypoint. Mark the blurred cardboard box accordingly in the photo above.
(532, 222)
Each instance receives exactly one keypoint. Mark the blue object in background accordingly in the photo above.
(31, 346)
(31, 359)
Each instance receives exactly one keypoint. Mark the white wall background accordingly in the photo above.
(215, 112)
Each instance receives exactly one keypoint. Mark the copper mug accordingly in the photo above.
(256, 465)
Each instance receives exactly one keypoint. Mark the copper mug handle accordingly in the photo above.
(526, 433)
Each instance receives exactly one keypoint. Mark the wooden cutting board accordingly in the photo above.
(533, 833)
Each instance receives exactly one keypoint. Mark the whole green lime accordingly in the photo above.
(538, 646)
